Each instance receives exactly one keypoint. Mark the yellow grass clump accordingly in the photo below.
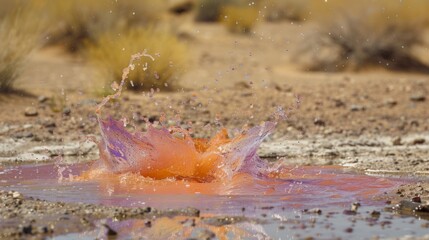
(240, 19)
(279, 10)
(112, 53)
(358, 34)
(20, 31)
(82, 21)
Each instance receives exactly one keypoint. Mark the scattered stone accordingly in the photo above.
(66, 111)
(24, 135)
(153, 118)
(16, 195)
(339, 103)
(49, 123)
(205, 234)
(375, 214)
(397, 141)
(313, 211)
(110, 231)
(319, 122)
(416, 199)
(418, 97)
(42, 99)
(409, 206)
(418, 141)
(390, 102)
(27, 229)
(355, 206)
(31, 112)
(357, 108)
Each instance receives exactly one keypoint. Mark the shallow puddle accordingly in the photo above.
(304, 187)
(238, 214)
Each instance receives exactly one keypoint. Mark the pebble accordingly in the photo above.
(356, 108)
(375, 214)
(397, 141)
(416, 199)
(313, 211)
(42, 99)
(27, 229)
(16, 195)
(418, 98)
(24, 135)
(319, 122)
(31, 112)
(419, 141)
(390, 102)
(66, 111)
(110, 231)
(355, 206)
(49, 123)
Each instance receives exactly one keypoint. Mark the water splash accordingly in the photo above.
(168, 160)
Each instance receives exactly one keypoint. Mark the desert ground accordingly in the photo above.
(374, 120)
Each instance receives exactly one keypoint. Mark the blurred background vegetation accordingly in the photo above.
(347, 35)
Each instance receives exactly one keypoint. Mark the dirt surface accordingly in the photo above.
(375, 121)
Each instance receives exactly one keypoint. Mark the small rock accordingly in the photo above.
(319, 122)
(397, 141)
(24, 135)
(390, 102)
(375, 214)
(66, 111)
(418, 97)
(110, 231)
(418, 141)
(49, 123)
(31, 112)
(356, 108)
(16, 195)
(42, 99)
(27, 229)
(406, 205)
(355, 206)
(313, 211)
(416, 199)
(339, 103)
(153, 118)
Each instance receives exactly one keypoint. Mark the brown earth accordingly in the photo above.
(374, 120)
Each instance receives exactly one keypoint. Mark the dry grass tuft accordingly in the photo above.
(240, 19)
(112, 53)
(209, 10)
(358, 34)
(280, 10)
(82, 21)
(20, 31)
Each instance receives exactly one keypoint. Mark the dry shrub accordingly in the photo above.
(279, 10)
(209, 10)
(82, 21)
(358, 34)
(112, 53)
(20, 31)
(212, 10)
(240, 19)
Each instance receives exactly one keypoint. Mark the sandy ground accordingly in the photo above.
(375, 121)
